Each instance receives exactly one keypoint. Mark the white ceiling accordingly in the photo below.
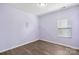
(35, 9)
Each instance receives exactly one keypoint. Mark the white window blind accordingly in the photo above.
(64, 28)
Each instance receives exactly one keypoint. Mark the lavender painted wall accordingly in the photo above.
(48, 30)
(16, 27)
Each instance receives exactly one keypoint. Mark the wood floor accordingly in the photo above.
(41, 48)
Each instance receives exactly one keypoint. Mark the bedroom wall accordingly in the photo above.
(48, 30)
(16, 28)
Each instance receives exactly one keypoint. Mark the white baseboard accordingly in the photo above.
(24, 43)
(61, 44)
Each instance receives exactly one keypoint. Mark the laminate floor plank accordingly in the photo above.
(41, 48)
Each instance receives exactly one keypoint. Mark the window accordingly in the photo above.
(64, 28)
